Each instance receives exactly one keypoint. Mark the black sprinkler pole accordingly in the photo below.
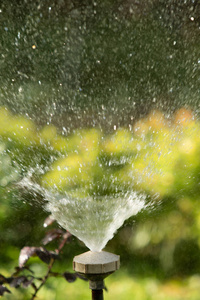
(97, 287)
(97, 294)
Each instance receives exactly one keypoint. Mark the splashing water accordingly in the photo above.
(94, 220)
(67, 75)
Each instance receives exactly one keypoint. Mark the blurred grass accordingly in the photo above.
(120, 286)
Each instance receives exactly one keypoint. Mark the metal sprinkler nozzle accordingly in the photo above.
(96, 266)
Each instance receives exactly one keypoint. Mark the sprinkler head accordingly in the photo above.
(96, 266)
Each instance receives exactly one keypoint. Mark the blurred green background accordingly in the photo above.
(120, 79)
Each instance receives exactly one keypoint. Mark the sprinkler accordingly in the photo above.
(96, 266)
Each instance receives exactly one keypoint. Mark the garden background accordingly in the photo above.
(125, 76)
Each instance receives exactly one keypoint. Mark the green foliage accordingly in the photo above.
(157, 157)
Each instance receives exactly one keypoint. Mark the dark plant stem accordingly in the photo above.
(66, 237)
(44, 279)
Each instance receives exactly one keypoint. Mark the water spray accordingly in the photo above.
(96, 266)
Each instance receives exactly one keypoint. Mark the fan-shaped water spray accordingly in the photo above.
(91, 217)
(94, 221)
